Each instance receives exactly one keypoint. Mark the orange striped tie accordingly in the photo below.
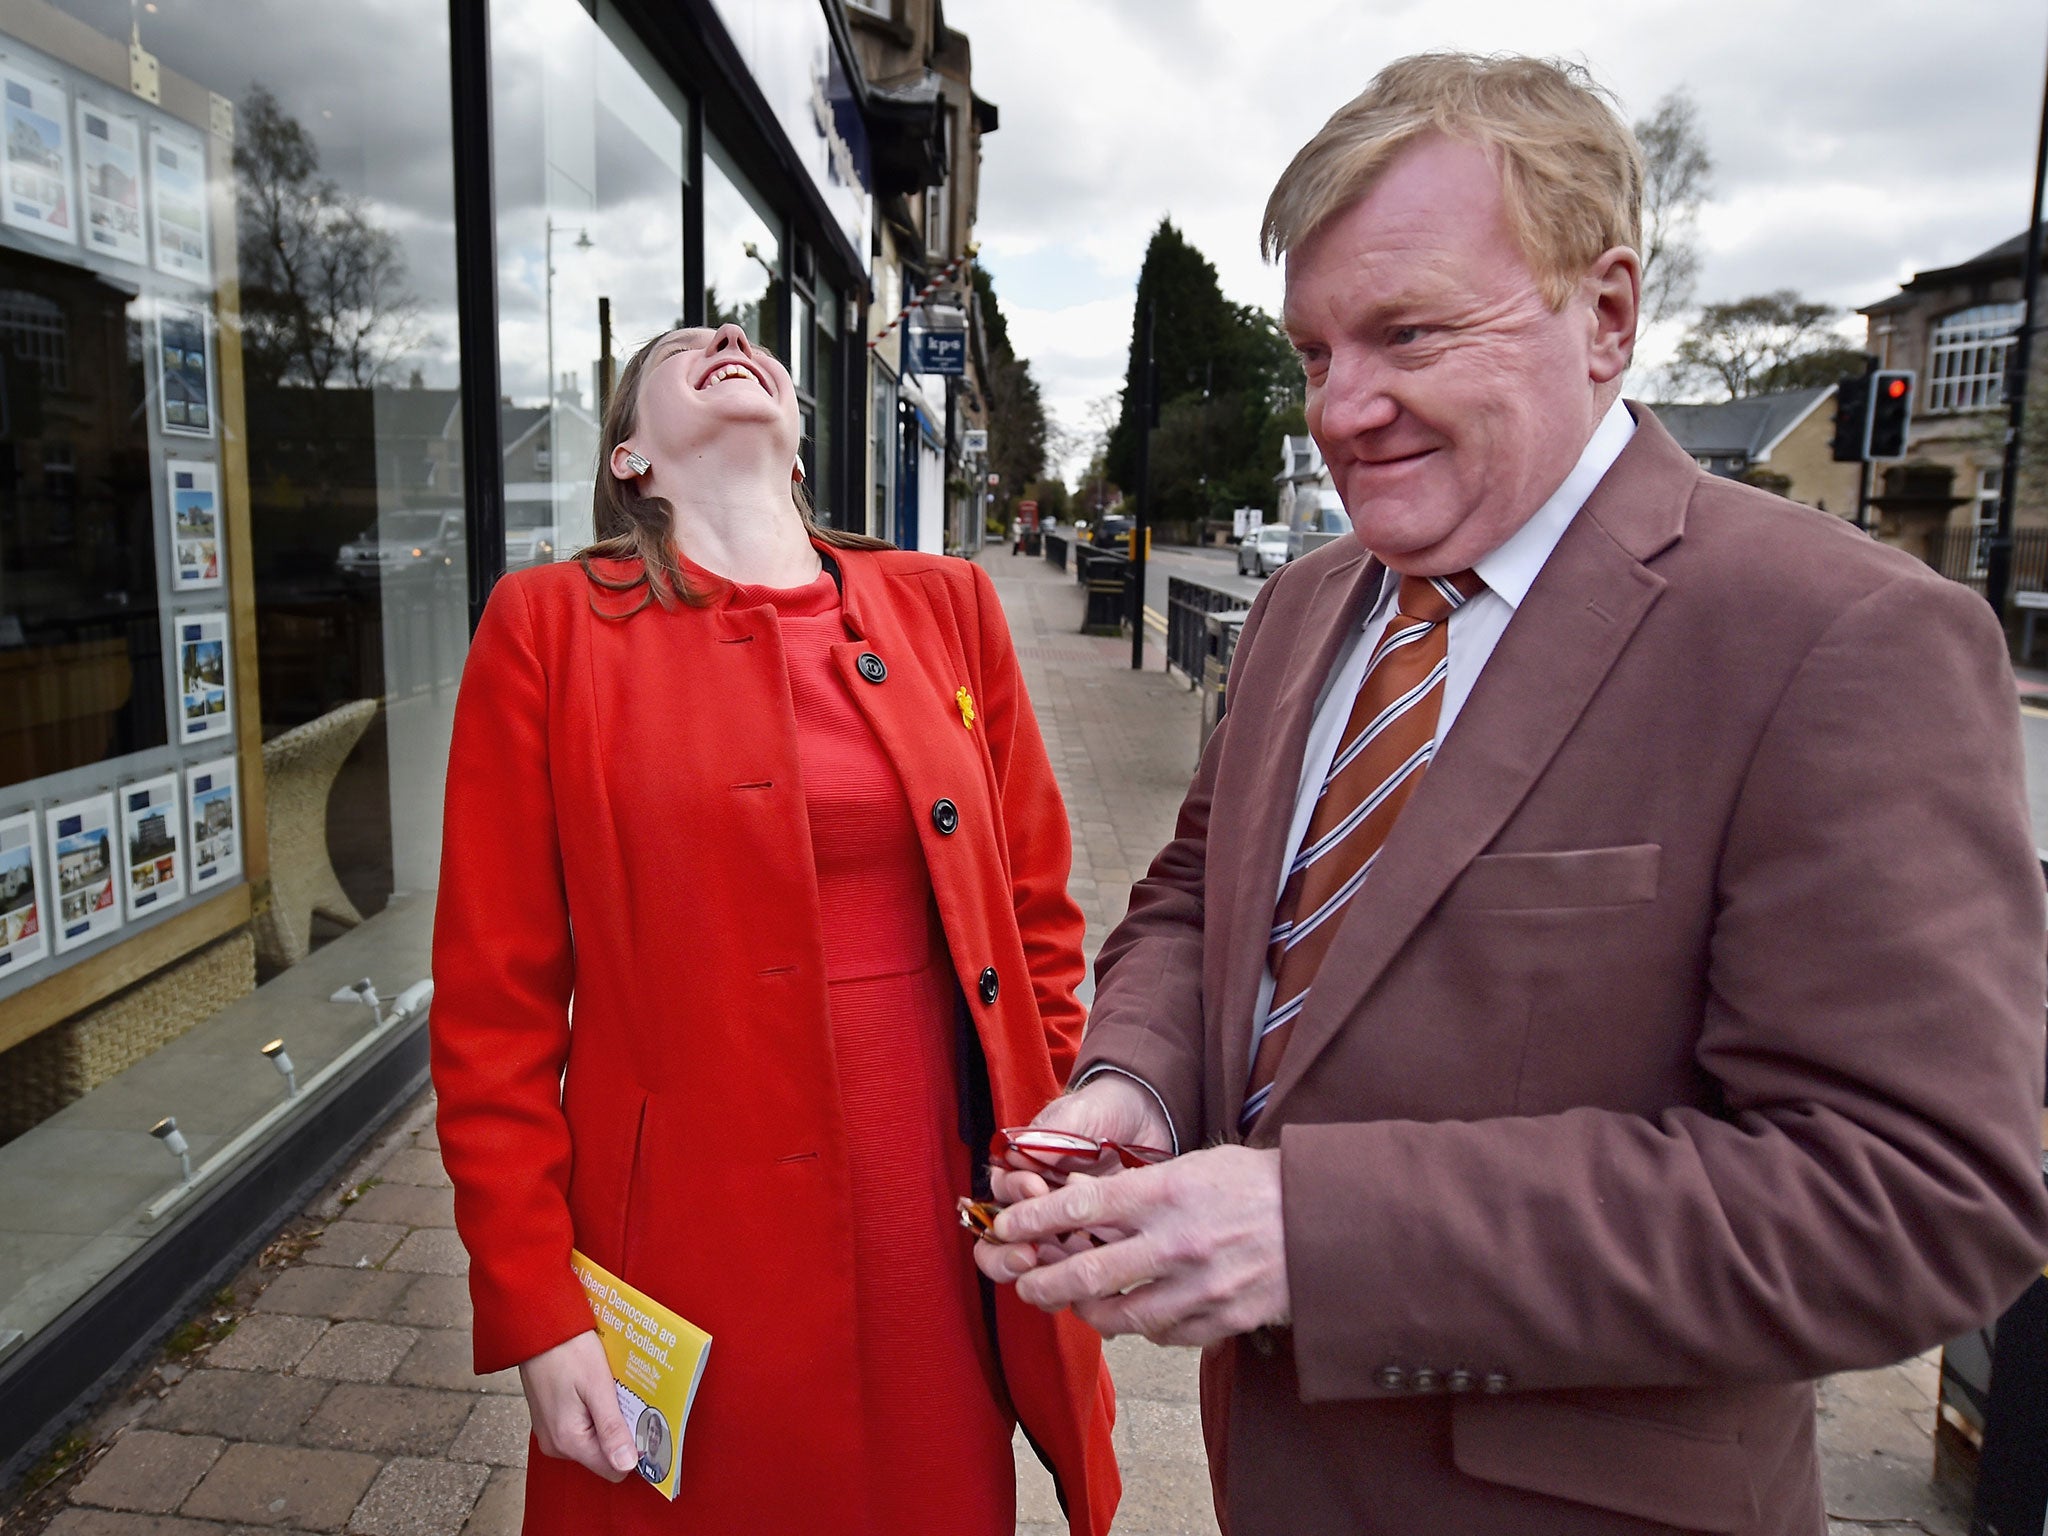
(1387, 743)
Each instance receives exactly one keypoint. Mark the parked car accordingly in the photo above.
(404, 541)
(1263, 551)
(1112, 532)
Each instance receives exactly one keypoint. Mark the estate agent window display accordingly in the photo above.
(129, 784)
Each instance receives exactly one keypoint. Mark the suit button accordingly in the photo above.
(989, 985)
(1262, 1343)
(871, 667)
(1496, 1382)
(1423, 1380)
(945, 816)
(1458, 1381)
(1393, 1378)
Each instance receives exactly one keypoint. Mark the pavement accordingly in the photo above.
(329, 1388)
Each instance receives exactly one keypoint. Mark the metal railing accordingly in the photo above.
(1056, 551)
(1961, 554)
(1186, 638)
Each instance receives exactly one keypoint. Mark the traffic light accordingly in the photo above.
(1891, 408)
(1852, 417)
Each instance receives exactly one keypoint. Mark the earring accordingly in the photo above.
(796, 472)
(635, 463)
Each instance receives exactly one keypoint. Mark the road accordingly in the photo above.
(1211, 567)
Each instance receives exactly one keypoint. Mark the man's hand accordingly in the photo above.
(1205, 1257)
(1110, 1107)
(575, 1408)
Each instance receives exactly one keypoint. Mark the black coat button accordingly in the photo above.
(1392, 1378)
(871, 666)
(946, 817)
(989, 985)
(1496, 1382)
(1424, 1380)
(1458, 1381)
(1264, 1345)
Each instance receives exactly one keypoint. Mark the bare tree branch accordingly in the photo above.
(1677, 177)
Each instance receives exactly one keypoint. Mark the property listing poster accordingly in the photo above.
(177, 183)
(194, 506)
(151, 827)
(204, 708)
(185, 363)
(110, 183)
(213, 810)
(34, 112)
(24, 896)
(82, 861)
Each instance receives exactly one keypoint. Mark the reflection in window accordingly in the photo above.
(81, 648)
(590, 155)
(742, 253)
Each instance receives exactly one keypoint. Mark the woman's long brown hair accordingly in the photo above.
(631, 526)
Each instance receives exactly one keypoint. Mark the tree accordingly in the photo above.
(1017, 426)
(324, 299)
(1225, 374)
(1677, 176)
(1749, 346)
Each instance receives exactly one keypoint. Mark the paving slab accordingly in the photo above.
(414, 1497)
(417, 1165)
(359, 1351)
(336, 1294)
(501, 1508)
(148, 1471)
(240, 1405)
(431, 1251)
(269, 1485)
(267, 1342)
(496, 1433)
(434, 1301)
(351, 1244)
(388, 1421)
(113, 1522)
(405, 1205)
(443, 1357)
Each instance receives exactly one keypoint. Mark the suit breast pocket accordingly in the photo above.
(1567, 880)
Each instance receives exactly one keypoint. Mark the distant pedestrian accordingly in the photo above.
(1600, 956)
(765, 808)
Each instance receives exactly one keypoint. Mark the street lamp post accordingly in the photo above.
(583, 243)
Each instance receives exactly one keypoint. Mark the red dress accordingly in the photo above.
(936, 1424)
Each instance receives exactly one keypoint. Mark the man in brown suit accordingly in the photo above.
(1685, 1041)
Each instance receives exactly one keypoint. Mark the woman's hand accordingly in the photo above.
(575, 1408)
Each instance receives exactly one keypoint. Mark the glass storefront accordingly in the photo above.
(591, 157)
(235, 540)
(233, 605)
(742, 252)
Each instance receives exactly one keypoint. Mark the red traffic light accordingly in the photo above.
(1895, 388)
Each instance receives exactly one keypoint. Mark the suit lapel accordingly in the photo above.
(1578, 617)
(1263, 777)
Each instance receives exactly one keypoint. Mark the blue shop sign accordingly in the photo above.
(941, 352)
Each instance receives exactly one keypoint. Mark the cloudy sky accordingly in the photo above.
(1854, 141)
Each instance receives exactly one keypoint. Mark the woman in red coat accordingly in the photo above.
(765, 809)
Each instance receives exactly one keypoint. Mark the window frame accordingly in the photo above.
(1967, 353)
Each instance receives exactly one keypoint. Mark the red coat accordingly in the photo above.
(637, 779)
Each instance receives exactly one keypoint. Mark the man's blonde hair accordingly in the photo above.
(1571, 173)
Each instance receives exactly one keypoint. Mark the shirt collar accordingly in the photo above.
(1511, 570)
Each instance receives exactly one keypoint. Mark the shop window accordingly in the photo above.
(742, 253)
(233, 594)
(591, 155)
